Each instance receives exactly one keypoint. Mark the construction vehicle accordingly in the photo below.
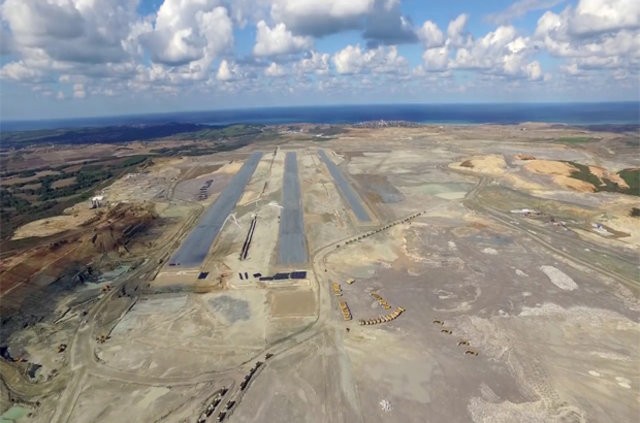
(383, 319)
(346, 313)
(337, 290)
(381, 301)
(350, 281)
(102, 338)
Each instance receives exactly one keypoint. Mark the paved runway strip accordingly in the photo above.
(195, 247)
(345, 188)
(292, 248)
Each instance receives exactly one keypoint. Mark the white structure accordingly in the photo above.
(97, 201)
(525, 211)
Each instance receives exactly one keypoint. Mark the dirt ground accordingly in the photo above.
(481, 312)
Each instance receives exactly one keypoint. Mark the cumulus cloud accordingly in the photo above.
(596, 34)
(385, 24)
(87, 48)
(436, 59)
(189, 30)
(319, 18)
(274, 70)
(226, 71)
(70, 30)
(278, 41)
(501, 52)
(18, 71)
(596, 16)
(352, 59)
(456, 33)
(316, 62)
(430, 35)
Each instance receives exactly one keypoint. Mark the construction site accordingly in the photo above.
(411, 274)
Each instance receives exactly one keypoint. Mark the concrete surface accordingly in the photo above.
(292, 246)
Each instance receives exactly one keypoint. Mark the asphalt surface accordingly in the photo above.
(292, 246)
(345, 188)
(195, 247)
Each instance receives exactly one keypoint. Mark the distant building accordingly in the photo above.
(97, 201)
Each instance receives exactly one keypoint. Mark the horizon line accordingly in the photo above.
(308, 106)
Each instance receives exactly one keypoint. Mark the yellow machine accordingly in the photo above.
(346, 313)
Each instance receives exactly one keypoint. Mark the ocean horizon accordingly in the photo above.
(446, 114)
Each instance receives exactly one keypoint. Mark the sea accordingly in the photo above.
(620, 113)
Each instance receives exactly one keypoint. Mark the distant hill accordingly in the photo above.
(107, 134)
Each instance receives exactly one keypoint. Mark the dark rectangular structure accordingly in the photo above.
(346, 190)
(195, 247)
(292, 246)
(280, 276)
(298, 275)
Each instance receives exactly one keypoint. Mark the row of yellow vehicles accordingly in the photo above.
(346, 312)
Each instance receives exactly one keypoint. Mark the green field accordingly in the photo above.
(575, 140)
(20, 203)
(630, 176)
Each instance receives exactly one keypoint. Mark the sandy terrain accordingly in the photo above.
(73, 218)
(496, 288)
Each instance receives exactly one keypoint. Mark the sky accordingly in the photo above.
(77, 58)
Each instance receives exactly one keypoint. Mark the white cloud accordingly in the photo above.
(436, 59)
(279, 40)
(385, 24)
(533, 71)
(500, 52)
(320, 18)
(79, 91)
(91, 48)
(71, 30)
(317, 63)
(594, 16)
(456, 33)
(521, 8)
(593, 35)
(484, 52)
(189, 30)
(274, 70)
(430, 35)
(18, 71)
(226, 71)
(352, 59)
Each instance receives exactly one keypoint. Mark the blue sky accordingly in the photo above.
(73, 58)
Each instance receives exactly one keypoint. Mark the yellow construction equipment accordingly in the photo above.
(337, 290)
(346, 313)
(383, 319)
(381, 301)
